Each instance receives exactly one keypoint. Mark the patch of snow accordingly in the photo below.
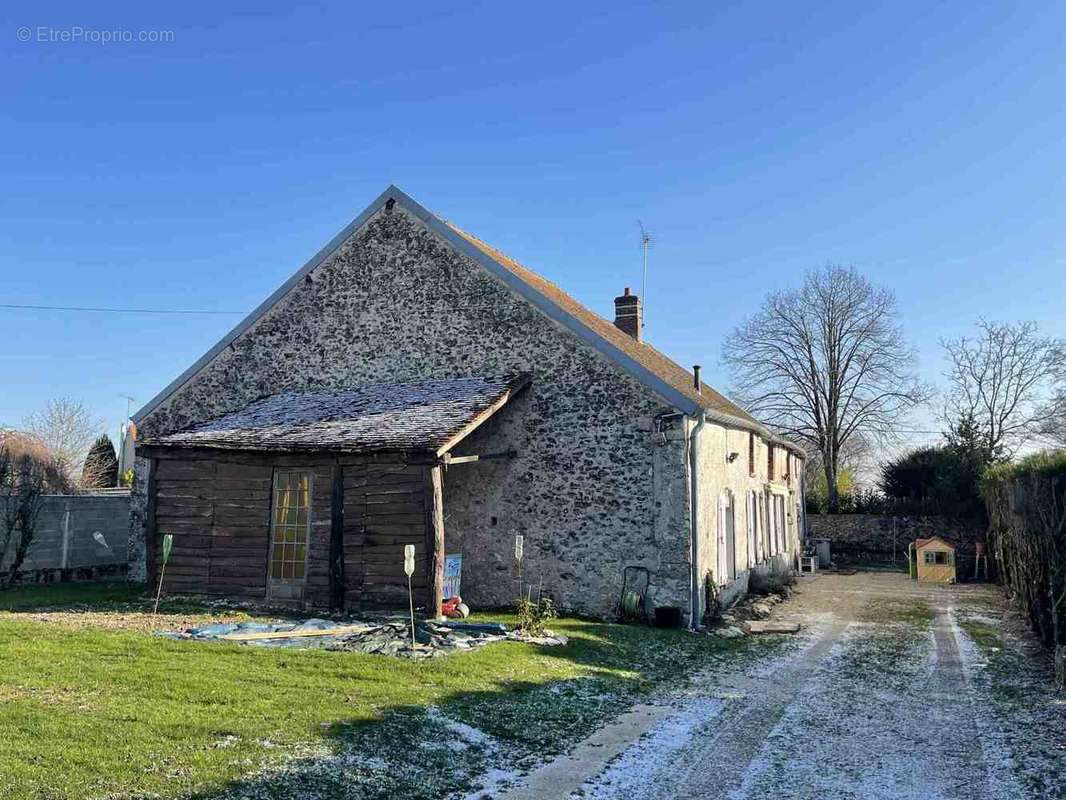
(467, 734)
(493, 782)
(629, 774)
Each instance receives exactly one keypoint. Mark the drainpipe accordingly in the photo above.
(694, 495)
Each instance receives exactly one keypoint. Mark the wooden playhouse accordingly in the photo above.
(934, 560)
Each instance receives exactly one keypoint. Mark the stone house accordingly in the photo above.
(598, 449)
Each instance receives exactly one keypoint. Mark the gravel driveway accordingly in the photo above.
(885, 695)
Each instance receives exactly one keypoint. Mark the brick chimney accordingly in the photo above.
(627, 314)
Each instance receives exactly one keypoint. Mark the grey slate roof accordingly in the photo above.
(383, 417)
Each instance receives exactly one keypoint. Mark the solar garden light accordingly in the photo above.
(409, 568)
(168, 545)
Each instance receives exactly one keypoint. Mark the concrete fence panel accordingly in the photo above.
(83, 533)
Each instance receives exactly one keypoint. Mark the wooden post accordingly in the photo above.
(65, 559)
(336, 540)
(435, 537)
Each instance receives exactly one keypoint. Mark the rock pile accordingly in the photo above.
(745, 617)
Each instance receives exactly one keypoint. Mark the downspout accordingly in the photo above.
(694, 495)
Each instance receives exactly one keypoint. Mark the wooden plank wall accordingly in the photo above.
(316, 590)
(384, 509)
(219, 515)
(217, 506)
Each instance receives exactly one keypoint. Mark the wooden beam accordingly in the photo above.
(449, 459)
(517, 385)
(257, 637)
(435, 537)
(336, 539)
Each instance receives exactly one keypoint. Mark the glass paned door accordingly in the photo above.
(290, 526)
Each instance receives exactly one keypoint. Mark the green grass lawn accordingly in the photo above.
(88, 712)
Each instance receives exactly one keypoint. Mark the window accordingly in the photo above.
(788, 467)
(290, 524)
(751, 453)
(769, 462)
(938, 557)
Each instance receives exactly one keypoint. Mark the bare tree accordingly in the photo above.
(826, 365)
(67, 429)
(27, 472)
(1053, 426)
(1001, 378)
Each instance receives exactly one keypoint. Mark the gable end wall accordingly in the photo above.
(594, 487)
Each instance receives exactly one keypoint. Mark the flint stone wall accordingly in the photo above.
(591, 487)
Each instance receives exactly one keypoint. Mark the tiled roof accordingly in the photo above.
(384, 417)
(643, 353)
(647, 364)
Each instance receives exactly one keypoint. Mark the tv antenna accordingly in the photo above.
(129, 402)
(645, 243)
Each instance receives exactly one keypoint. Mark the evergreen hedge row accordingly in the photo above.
(1026, 504)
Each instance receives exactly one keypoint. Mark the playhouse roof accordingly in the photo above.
(920, 543)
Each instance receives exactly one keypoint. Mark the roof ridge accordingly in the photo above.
(644, 362)
(709, 397)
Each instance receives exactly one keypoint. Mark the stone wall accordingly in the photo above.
(591, 486)
(64, 544)
(858, 536)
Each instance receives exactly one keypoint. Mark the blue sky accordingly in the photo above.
(923, 144)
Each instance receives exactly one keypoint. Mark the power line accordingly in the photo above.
(103, 310)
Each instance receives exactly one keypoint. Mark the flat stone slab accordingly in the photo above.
(766, 626)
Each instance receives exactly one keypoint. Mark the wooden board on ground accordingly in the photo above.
(766, 626)
(255, 637)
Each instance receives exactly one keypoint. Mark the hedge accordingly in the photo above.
(1026, 505)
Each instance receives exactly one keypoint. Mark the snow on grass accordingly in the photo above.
(995, 749)
(629, 774)
(1023, 717)
(867, 725)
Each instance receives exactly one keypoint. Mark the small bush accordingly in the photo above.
(770, 583)
(533, 618)
(712, 600)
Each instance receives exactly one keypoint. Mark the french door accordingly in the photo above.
(290, 526)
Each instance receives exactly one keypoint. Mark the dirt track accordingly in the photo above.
(877, 700)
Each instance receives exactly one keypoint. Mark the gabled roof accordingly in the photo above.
(661, 374)
(641, 352)
(920, 543)
(428, 416)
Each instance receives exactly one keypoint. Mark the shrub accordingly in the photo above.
(712, 600)
(533, 617)
(770, 582)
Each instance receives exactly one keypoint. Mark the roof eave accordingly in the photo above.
(671, 395)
